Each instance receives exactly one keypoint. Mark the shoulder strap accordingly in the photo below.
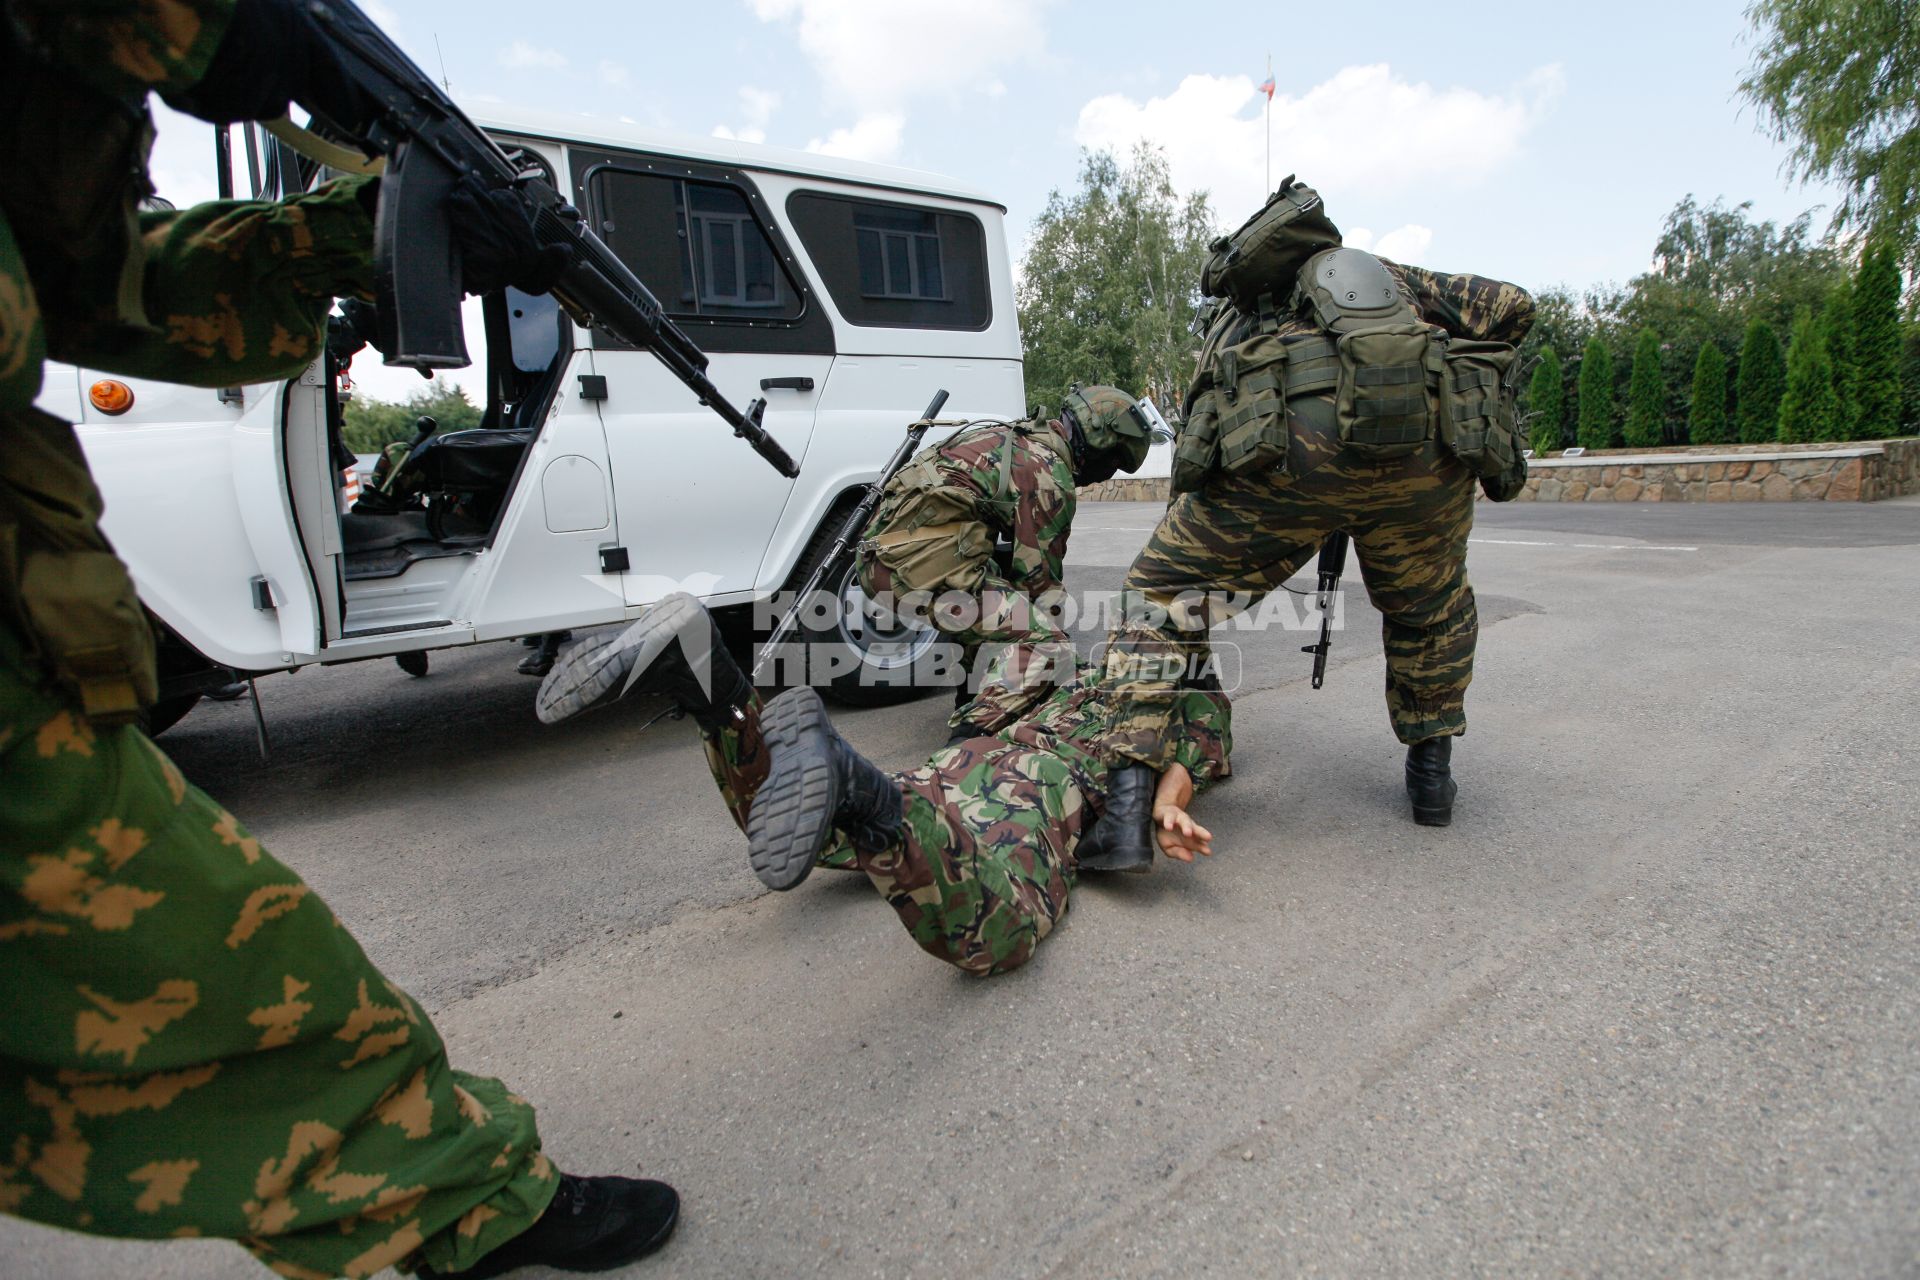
(1005, 488)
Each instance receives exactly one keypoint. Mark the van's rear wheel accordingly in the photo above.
(166, 713)
(878, 656)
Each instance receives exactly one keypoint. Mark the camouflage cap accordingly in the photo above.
(1110, 419)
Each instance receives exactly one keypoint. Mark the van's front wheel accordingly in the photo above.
(879, 660)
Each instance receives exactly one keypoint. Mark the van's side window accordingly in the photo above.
(896, 266)
(697, 245)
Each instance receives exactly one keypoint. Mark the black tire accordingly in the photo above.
(166, 713)
(413, 662)
(887, 655)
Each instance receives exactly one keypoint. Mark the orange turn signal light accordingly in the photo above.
(111, 397)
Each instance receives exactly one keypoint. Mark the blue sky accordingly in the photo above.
(1540, 143)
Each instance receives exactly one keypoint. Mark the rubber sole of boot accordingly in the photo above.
(598, 673)
(1137, 867)
(1433, 817)
(791, 819)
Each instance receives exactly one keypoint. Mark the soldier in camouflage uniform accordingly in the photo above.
(975, 850)
(192, 1043)
(1220, 550)
(935, 531)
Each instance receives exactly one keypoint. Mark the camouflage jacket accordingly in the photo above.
(1470, 307)
(1082, 723)
(1035, 508)
(223, 293)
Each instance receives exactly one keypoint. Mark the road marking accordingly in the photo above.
(1580, 546)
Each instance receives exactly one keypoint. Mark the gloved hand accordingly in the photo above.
(496, 241)
(1510, 483)
(273, 54)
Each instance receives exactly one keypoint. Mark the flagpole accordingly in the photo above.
(1266, 121)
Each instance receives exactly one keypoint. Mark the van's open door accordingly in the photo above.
(269, 442)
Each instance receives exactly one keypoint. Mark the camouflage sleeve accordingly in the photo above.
(126, 47)
(1201, 733)
(1042, 524)
(1467, 306)
(239, 290)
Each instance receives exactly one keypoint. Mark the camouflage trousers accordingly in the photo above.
(192, 1044)
(981, 870)
(1219, 551)
(1021, 651)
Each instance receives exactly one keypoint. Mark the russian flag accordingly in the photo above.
(1266, 87)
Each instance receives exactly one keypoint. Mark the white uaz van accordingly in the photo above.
(843, 293)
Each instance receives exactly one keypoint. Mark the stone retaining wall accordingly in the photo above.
(1846, 473)
(1865, 472)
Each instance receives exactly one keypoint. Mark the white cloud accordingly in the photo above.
(871, 137)
(1404, 244)
(522, 56)
(383, 16)
(614, 75)
(1364, 134)
(758, 106)
(877, 54)
(756, 109)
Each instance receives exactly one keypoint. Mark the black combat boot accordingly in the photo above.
(1430, 782)
(815, 782)
(545, 649)
(674, 649)
(592, 1224)
(1121, 839)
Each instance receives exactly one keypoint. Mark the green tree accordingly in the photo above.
(1876, 344)
(1761, 382)
(372, 424)
(1110, 281)
(1909, 381)
(1837, 80)
(1837, 319)
(1547, 403)
(1810, 409)
(1714, 269)
(1646, 394)
(1707, 408)
(1596, 396)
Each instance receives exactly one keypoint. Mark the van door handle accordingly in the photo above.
(786, 384)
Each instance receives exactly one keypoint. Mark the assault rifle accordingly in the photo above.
(1333, 563)
(840, 553)
(429, 147)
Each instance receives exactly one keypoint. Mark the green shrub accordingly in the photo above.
(1810, 410)
(1707, 407)
(1761, 382)
(1876, 345)
(1646, 393)
(1547, 404)
(1595, 430)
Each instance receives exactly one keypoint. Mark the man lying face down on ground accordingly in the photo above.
(976, 849)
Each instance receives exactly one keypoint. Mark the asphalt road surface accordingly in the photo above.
(1650, 1007)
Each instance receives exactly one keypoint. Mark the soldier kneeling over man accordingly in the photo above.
(943, 515)
(976, 850)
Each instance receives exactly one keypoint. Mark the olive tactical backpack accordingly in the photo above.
(1263, 256)
(1395, 382)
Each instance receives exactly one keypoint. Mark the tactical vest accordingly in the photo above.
(928, 529)
(1369, 371)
